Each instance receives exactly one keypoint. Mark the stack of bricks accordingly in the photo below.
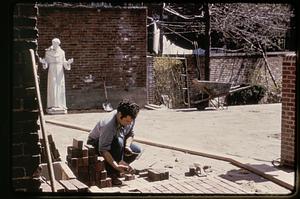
(55, 156)
(86, 165)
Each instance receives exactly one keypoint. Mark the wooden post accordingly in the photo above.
(42, 121)
(207, 46)
(161, 33)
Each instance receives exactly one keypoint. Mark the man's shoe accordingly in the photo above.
(115, 180)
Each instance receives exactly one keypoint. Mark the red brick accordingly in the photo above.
(74, 164)
(77, 144)
(84, 153)
(99, 165)
(84, 161)
(108, 182)
(91, 150)
(103, 174)
(74, 152)
(92, 160)
(129, 177)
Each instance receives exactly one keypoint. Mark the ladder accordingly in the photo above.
(185, 84)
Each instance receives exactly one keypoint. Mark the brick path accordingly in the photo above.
(211, 184)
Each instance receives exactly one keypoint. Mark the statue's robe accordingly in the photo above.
(56, 62)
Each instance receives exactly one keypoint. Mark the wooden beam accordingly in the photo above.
(42, 121)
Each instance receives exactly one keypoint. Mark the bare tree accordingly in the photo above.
(252, 27)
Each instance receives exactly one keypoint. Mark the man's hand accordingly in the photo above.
(122, 162)
(122, 168)
(129, 168)
(70, 61)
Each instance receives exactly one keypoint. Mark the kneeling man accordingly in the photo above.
(112, 138)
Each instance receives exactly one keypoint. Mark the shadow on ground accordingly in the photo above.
(242, 174)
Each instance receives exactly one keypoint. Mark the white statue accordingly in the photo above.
(56, 62)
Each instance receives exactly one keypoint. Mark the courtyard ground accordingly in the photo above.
(248, 134)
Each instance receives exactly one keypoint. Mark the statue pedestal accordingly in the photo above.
(54, 111)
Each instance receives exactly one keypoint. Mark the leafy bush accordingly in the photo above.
(167, 80)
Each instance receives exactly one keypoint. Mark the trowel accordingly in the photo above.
(106, 105)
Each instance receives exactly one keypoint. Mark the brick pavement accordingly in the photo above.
(211, 184)
(177, 163)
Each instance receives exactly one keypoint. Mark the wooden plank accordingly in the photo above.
(95, 189)
(58, 186)
(45, 187)
(42, 121)
(80, 186)
(150, 107)
(69, 187)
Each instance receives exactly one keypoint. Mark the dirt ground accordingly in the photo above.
(246, 132)
(250, 132)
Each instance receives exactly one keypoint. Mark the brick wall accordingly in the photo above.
(106, 44)
(249, 69)
(288, 111)
(25, 146)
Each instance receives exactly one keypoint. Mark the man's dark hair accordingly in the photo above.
(127, 107)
